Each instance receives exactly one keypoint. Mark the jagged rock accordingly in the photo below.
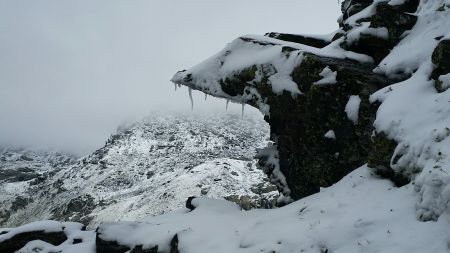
(441, 59)
(307, 159)
(302, 39)
(351, 7)
(76, 209)
(392, 18)
(379, 158)
(105, 246)
(20, 240)
(189, 204)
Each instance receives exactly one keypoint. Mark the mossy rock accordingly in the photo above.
(235, 85)
(441, 59)
(379, 158)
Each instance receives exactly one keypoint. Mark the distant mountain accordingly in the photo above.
(145, 169)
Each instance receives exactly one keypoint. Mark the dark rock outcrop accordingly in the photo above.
(308, 159)
(441, 58)
(301, 39)
(20, 240)
(392, 18)
(107, 246)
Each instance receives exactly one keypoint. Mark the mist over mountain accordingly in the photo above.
(72, 71)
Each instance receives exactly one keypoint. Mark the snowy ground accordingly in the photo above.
(361, 213)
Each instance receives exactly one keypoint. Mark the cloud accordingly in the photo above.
(72, 71)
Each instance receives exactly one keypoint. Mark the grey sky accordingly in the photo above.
(72, 71)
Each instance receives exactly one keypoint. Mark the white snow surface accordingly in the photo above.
(330, 135)
(415, 115)
(71, 230)
(352, 108)
(328, 77)
(361, 213)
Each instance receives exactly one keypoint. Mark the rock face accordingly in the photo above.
(305, 89)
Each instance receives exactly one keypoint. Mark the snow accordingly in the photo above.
(361, 213)
(150, 168)
(269, 57)
(364, 29)
(330, 135)
(415, 115)
(328, 77)
(271, 157)
(352, 108)
(420, 42)
(445, 80)
(70, 229)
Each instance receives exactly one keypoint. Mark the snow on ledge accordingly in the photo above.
(328, 77)
(330, 135)
(352, 108)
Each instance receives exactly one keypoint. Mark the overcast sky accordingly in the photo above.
(72, 71)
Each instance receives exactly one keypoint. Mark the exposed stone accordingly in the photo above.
(20, 240)
(18, 175)
(441, 59)
(104, 246)
(393, 18)
(77, 209)
(302, 39)
(379, 158)
(174, 245)
(351, 7)
(189, 204)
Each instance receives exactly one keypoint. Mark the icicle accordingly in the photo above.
(206, 96)
(243, 105)
(190, 97)
(175, 85)
(226, 105)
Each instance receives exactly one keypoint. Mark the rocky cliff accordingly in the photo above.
(317, 92)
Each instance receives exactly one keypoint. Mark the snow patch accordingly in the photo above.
(330, 135)
(352, 108)
(328, 77)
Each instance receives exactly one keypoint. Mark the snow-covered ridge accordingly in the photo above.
(147, 169)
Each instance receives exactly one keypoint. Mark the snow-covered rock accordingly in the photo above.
(406, 47)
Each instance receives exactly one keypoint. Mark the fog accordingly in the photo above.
(72, 71)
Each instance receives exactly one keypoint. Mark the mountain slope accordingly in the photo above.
(149, 168)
